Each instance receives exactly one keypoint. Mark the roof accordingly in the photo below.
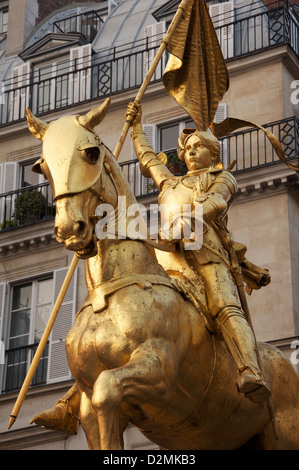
(126, 23)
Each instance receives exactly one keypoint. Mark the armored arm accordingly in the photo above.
(151, 165)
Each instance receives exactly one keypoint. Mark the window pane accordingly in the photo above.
(44, 307)
(44, 291)
(16, 369)
(43, 313)
(28, 177)
(21, 297)
(20, 322)
(169, 137)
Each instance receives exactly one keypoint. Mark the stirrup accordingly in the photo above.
(253, 386)
(59, 417)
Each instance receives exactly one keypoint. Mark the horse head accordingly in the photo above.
(72, 161)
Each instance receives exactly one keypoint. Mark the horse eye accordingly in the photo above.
(91, 154)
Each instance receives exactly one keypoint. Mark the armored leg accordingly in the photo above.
(240, 341)
(63, 416)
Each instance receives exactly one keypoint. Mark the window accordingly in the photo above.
(25, 308)
(19, 92)
(27, 177)
(50, 89)
(30, 310)
(61, 83)
(168, 134)
(3, 20)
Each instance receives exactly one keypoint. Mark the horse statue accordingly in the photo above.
(139, 350)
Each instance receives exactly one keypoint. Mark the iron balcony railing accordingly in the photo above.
(250, 149)
(17, 362)
(26, 206)
(123, 68)
(251, 33)
(88, 24)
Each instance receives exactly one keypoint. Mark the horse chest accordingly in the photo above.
(97, 339)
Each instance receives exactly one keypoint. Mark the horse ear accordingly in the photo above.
(36, 166)
(36, 126)
(95, 116)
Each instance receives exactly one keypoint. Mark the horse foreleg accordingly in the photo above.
(89, 422)
(142, 377)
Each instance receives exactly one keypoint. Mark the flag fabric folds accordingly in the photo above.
(196, 75)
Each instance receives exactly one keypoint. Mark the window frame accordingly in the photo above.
(181, 121)
(31, 346)
(4, 26)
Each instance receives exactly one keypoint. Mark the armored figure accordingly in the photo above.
(208, 184)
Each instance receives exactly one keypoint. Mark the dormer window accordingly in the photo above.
(56, 74)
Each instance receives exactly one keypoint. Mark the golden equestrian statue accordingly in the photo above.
(141, 350)
(164, 338)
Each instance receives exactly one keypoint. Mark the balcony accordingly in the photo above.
(17, 362)
(250, 149)
(26, 206)
(88, 24)
(123, 68)
(250, 34)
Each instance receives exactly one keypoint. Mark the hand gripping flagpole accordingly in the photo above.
(42, 344)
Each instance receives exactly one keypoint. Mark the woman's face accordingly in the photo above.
(196, 155)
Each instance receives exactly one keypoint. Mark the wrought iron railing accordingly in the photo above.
(17, 362)
(250, 149)
(26, 206)
(123, 68)
(254, 32)
(87, 23)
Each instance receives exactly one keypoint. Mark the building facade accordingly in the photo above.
(66, 57)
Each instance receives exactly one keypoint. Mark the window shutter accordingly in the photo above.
(20, 91)
(1, 176)
(52, 85)
(222, 15)
(2, 308)
(141, 185)
(9, 181)
(220, 115)
(154, 34)
(2, 338)
(80, 79)
(58, 369)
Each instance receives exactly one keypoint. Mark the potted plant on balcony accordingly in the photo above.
(30, 206)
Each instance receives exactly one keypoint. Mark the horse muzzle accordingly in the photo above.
(78, 238)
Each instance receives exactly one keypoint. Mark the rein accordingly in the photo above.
(162, 247)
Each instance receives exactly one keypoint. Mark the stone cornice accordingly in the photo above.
(28, 237)
(265, 182)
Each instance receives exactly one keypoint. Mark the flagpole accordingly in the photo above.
(165, 41)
